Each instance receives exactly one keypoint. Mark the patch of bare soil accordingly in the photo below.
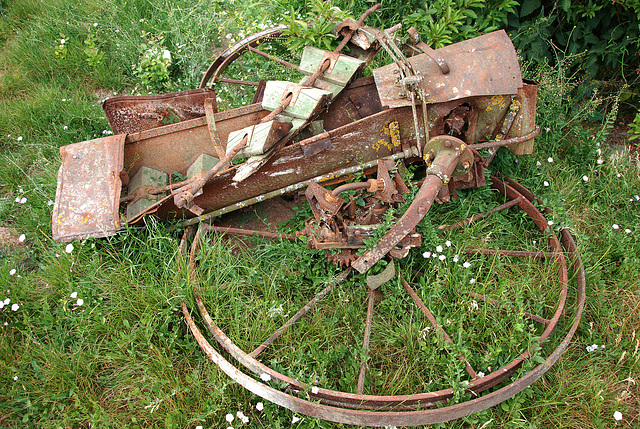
(9, 238)
(264, 216)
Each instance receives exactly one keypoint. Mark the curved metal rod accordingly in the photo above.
(533, 134)
(232, 53)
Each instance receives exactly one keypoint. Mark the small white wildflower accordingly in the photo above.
(615, 226)
(600, 161)
(545, 183)
(550, 222)
(585, 178)
(65, 127)
(637, 197)
(141, 20)
(617, 415)
(315, 390)
(439, 249)
(229, 417)
(295, 420)
(95, 24)
(447, 243)
(15, 378)
(472, 281)
(426, 255)
(627, 230)
(23, 200)
(74, 295)
(549, 159)
(1, 305)
(69, 248)
(265, 377)
(166, 54)
(80, 301)
(15, 307)
(538, 163)
(466, 264)
(442, 257)
(455, 258)
(12, 271)
(62, 41)
(473, 305)
(7, 301)
(259, 406)
(547, 129)
(22, 238)
(19, 138)
(434, 255)
(480, 374)
(17, 200)
(618, 175)
(448, 322)
(245, 419)
(602, 346)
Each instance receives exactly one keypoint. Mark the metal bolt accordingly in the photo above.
(447, 144)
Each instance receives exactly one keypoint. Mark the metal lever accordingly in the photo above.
(432, 53)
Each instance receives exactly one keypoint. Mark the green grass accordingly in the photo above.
(125, 358)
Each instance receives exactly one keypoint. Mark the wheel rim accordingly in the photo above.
(415, 408)
(230, 67)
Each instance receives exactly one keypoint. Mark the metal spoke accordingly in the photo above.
(237, 81)
(481, 215)
(434, 322)
(276, 59)
(499, 304)
(301, 312)
(515, 253)
(365, 343)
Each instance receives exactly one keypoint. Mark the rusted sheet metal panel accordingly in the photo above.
(351, 144)
(175, 147)
(358, 100)
(88, 194)
(525, 122)
(486, 65)
(131, 114)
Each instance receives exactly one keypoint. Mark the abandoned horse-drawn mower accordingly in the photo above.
(441, 114)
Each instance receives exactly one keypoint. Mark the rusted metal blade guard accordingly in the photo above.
(419, 408)
(131, 114)
(486, 65)
(89, 208)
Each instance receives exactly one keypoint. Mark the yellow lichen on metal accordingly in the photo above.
(391, 137)
(394, 131)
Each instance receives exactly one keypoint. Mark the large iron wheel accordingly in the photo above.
(417, 352)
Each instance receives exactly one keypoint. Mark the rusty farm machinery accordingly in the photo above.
(442, 113)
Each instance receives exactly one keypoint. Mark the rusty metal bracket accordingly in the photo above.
(432, 53)
(322, 201)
